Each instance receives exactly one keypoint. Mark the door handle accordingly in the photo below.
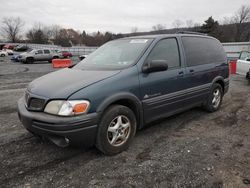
(191, 71)
(180, 74)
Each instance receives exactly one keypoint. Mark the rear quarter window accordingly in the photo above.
(202, 50)
(46, 51)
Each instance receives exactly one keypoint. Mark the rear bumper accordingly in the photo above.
(80, 130)
(226, 87)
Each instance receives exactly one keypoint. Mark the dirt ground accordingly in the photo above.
(191, 149)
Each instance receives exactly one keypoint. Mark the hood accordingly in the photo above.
(23, 54)
(61, 84)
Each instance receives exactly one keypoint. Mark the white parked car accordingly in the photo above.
(10, 52)
(3, 53)
(243, 64)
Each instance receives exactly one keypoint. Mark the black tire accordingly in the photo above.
(103, 142)
(2, 55)
(210, 105)
(55, 57)
(29, 60)
(248, 75)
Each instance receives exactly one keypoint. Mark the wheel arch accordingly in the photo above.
(126, 99)
(29, 57)
(219, 80)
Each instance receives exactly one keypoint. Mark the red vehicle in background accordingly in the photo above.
(8, 46)
(66, 54)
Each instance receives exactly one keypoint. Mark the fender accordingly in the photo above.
(124, 96)
(218, 78)
(224, 81)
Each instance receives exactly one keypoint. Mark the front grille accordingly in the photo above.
(36, 104)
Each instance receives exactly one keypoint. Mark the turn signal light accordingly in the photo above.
(80, 108)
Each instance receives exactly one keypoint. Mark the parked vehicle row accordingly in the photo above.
(38, 55)
(21, 48)
(30, 56)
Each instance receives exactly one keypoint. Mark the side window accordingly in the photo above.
(39, 52)
(46, 51)
(166, 49)
(244, 55)
(200, 50)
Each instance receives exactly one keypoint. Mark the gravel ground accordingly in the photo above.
(191, 149)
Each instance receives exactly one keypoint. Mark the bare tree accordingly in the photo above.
(134, 29)
(158, 27)
(177, 24)
(11, 28)
(240, 18)
(227, 21)
(53, 32)
(189, 23)
(242, 15)
(38, 34)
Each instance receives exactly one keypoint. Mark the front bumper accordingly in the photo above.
(22, 59)
(80, 130)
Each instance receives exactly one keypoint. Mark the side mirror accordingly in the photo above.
(155, 66)
(36, 53)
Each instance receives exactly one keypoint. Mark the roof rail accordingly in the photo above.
(190, 32)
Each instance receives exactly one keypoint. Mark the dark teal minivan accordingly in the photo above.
(124, 85)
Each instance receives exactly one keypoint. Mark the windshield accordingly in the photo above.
(116, 54)
(32, 51)
(244, 55)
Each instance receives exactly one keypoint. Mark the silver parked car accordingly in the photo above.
(39, 55)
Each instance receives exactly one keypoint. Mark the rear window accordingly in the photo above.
(201, 50)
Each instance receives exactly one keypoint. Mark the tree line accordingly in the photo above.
(231, 29)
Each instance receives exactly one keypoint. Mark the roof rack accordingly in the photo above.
(190, 32)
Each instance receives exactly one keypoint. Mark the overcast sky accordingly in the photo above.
(116, 15)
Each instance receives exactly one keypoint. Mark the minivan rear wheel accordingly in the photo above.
(215, 98)
(116, 130)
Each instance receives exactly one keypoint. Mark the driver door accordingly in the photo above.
(39, 55)
(162, 92)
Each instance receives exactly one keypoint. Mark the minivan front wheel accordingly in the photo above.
(116, 130)
(215, 98)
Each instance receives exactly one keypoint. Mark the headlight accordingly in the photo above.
(67, 108)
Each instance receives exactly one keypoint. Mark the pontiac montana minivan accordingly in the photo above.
(123, 85)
